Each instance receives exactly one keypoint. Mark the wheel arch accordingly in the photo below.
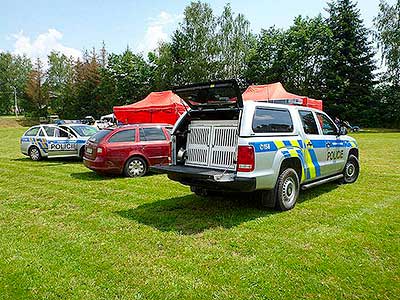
(137, 155)
(354, 151)
(42, 153)
(294, 163)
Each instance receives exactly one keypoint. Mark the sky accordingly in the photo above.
(35, 28)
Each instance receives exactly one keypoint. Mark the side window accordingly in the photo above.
(152, 134)
(49, 130)
(308, 121)
(123, 136)
(328, 127)
(32, 132)
(69, 130)
(58, 132)
(268, 120)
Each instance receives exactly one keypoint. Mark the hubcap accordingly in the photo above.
(135, 168)
(289, 191)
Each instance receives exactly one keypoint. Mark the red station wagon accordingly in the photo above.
(128, 150)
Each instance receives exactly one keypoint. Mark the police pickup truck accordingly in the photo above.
(271, 150)
(49, 140)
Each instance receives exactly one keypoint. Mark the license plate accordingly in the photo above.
(89, 150)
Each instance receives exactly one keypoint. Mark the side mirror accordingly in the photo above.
(342, 130)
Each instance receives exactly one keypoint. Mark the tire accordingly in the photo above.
(287, 189)
(135, 167)
(351, 170)
(34, 153)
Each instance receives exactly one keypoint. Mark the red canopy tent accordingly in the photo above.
(275, 92)
(157, 107)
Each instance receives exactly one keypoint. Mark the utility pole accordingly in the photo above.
(15, 101)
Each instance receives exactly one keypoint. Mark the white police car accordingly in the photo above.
(49, 140)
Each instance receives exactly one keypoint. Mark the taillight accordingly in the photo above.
(101, 151)
(245, 159)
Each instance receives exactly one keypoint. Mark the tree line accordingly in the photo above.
(331, 58)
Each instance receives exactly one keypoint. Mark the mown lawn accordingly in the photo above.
(66, 233)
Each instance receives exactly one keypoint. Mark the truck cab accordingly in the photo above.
(269, 150)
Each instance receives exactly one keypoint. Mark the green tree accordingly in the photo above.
(265, 63)
(348, 70)
(60, 76)
(234, 40)
(194, 46)
(387, 24)
(132, 76)
(14, 72)
(36, 93)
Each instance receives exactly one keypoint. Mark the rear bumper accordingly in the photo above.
(100, 165)
(205, 178)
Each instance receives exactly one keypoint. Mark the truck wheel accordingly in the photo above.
(351, 170)
(34, 153)
(135, 167)
(287, 190)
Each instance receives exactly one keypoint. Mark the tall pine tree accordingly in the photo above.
(349, 67)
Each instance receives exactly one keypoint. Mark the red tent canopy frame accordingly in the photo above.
(157, 107)
(275, 92)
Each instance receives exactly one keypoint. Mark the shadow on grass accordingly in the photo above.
(317, 191)
(49, 161)
(192, 214)
(93, 176)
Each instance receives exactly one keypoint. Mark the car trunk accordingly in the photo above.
(93, 142)
(208, 135)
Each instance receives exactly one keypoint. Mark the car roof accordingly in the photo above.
(146, 125)
(277, 105)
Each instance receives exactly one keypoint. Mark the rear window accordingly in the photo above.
(152, 134)
(32, 132)
(267, 120)
(99, 135)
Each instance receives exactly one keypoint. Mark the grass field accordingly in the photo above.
(67, 233)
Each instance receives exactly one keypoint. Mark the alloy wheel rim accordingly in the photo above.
(35, 154)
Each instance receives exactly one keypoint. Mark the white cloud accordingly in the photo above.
(157, 31)
(42, 45)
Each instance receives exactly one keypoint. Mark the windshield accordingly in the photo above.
(96, 138)
(211, 95)
(84, 130)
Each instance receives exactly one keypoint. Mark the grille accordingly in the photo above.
(212, 145)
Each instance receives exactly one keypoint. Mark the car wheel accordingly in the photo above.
(287, 191)
(34, 153)
(351, 170)
(135, 167)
